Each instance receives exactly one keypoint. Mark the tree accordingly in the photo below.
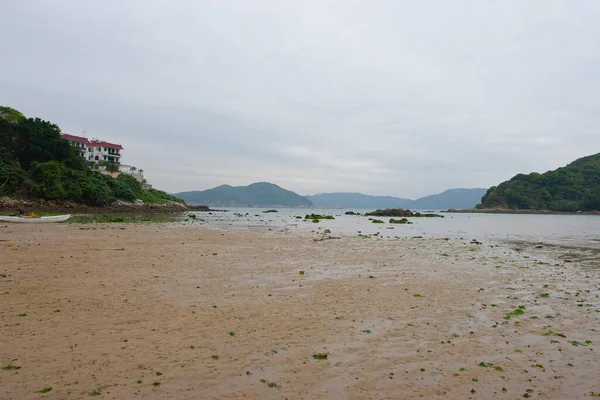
(11, 115)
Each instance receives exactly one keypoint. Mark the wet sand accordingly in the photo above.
(167, 311)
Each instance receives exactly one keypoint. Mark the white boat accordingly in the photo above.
(35, 220)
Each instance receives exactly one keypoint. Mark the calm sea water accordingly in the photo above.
(570, 230)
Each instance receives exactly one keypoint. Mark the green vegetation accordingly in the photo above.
(517, 312)
(270, 211)
(45, 390)
(399, 221)
(318, 217)
(35, 162)
(320, 356)
(575, 187)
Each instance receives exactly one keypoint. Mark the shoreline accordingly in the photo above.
(508, 211)
(196, 311)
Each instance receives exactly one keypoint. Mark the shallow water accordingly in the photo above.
(566, 230)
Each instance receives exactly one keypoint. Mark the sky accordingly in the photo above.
(400, 98)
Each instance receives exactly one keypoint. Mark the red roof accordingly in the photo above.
(106, 144)
(91, 143)
(73, 137)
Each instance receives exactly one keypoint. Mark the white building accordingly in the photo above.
(95, 150)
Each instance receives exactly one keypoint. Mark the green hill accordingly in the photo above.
(575, 187)
(260, 194)
(36, 163)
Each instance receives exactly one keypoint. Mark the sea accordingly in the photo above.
(562, 230)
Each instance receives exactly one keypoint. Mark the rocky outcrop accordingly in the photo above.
(400, 212)
(198, 208)
(7, 202)
(117, 205)
(391, 212)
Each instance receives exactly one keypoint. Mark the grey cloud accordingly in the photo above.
(383, 97)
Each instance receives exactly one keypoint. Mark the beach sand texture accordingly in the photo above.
(165, 311)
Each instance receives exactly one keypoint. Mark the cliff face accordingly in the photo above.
(575, 187)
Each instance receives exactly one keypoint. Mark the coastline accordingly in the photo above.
(205, 312)
(508, 211)
(68, 207)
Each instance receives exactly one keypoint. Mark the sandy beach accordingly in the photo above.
(165, 311)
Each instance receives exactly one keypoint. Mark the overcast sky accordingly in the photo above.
(403, 98)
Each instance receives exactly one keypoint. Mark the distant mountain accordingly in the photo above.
(460, 199)
(575, 187)
(260, 194)
(358, 200)
(452, 198)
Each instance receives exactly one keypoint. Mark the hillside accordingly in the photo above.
(452, 198)
(36, 163)
(260, 194)
(459, 199)
(575, 187)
